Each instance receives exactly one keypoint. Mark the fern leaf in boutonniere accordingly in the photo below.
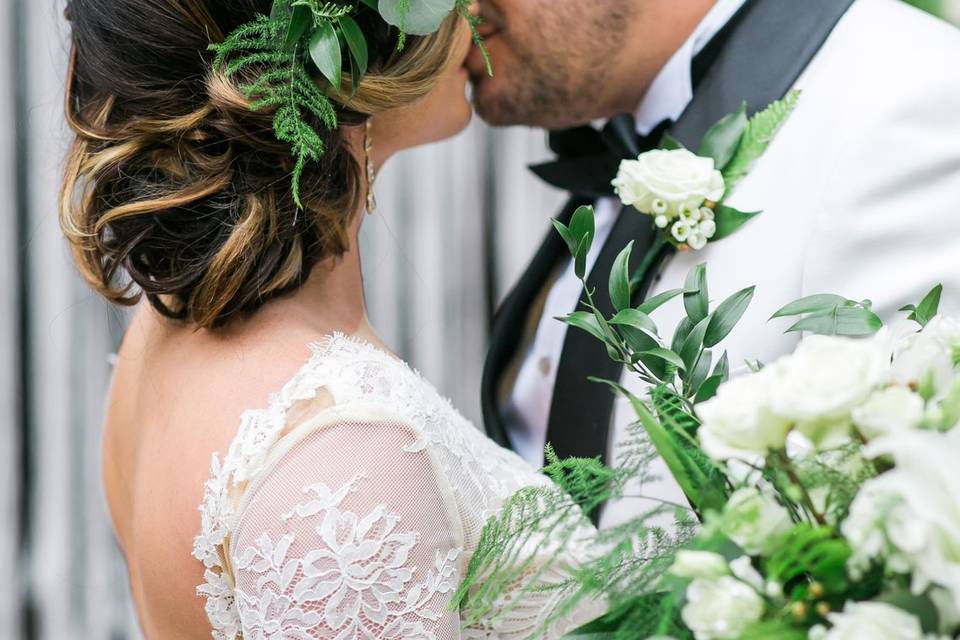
(684, 192)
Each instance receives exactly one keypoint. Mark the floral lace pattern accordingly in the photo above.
(355, 582)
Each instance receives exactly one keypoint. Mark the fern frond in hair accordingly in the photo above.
(463, 9)
(281, 82)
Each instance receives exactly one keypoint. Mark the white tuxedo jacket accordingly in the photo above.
(860, 193)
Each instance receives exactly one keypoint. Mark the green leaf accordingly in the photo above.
(300, 20)
(701, 370)
(669, 143)
(326, 54)
(841, 321)
(657, 301)
(669, 448)
(620, 279)
(729, 220)
(586, 321)
(580, 258)
(708, 389)
(666, 355)
(684, 327)
(723, 138)
(420, 17)
(760, 132)
(567, 236)
(695, 297)
(356, 42)
(582, 225)
(929, 306)
(727, 315)
(694, 342)
(817, 303)
(723, 367)
(636, 319)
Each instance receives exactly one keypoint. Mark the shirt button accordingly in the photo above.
(545, 365)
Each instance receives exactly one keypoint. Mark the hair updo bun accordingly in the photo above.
(175, 190)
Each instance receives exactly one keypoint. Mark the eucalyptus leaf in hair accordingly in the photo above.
(276, 55)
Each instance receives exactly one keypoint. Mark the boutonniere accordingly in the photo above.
(685, 192)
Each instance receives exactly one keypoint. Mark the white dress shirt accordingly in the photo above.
(528, 409)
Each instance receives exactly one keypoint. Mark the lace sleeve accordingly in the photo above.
(347, 533)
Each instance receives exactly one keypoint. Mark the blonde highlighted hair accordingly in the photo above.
(175, 190)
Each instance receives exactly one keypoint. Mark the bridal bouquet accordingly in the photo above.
(823, 488)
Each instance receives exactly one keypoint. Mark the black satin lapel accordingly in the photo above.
(768, 46)
(580, 410)
(510, 320)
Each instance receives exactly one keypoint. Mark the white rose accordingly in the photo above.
(820, 383)
(754, 521)
(737, 422)
(870, 621)
(892, 409)
(699, 564)
(910, 516)
(666, 182)
(929, 351)
(720, 608)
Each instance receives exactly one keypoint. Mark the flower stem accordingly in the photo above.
(660, 241)
(807, 501)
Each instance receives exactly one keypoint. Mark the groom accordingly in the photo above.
(860, 191)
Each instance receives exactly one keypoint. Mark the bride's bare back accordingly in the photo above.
(177, 396)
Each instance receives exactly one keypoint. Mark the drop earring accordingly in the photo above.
(371, 172)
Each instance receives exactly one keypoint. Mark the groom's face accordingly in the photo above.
(549, 58)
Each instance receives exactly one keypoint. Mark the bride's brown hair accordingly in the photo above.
(175, 190)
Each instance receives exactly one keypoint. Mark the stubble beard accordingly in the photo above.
(558, 75)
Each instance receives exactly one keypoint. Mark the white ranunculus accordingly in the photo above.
(929, 351)
(737, 422)
(910, 516)
(720, 608)
(699, 564)
(820, 383)
(870, 621)
(889, 410)
(754, 521)
(666, 182)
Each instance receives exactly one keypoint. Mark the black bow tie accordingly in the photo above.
(588, 160)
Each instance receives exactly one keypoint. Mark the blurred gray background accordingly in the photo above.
(456, 224)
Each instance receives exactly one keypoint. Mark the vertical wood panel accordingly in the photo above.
(10, 389)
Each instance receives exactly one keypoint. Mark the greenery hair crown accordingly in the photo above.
(299, 33)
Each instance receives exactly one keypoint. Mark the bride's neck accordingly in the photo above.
(332, 297)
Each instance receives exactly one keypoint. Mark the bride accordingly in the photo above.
(340, 496)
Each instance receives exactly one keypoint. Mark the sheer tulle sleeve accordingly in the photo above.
(348, 532)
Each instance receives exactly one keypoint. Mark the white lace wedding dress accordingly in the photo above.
(358, 520)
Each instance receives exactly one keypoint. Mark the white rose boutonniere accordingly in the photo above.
(684, 191)
(678, 188)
